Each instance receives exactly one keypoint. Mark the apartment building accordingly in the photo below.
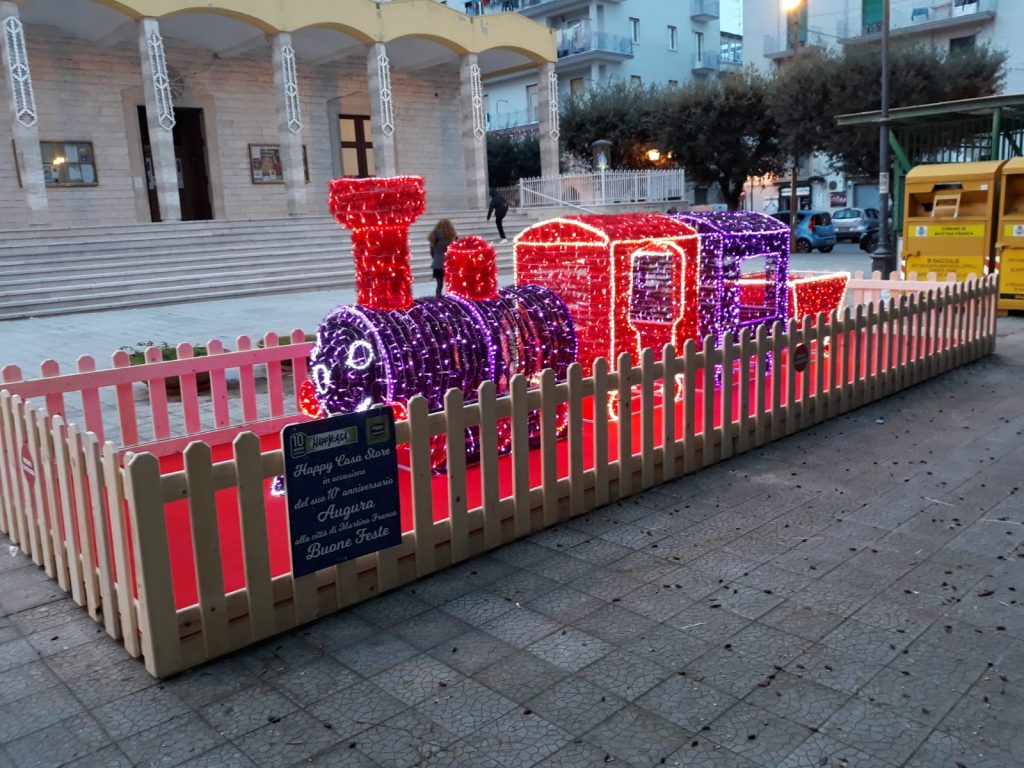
(770, 40)
(640, 41)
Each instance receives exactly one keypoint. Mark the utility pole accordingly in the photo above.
(792, 8)
(884, 260)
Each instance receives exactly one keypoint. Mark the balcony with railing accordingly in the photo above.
(526, 7)
(780, 47)
(917, 20)
(581, 41)
(503, 121)
(732, 52)
(706, 62)
(704, 10)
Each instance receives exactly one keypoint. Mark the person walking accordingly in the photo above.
(499, 207)
(441, 236)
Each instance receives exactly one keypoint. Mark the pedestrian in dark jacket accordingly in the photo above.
(499, 207)
(442, 235)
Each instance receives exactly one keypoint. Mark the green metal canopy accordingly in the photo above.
(969, 130)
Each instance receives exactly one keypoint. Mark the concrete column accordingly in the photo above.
(382, 116)
(21, 99)
(547, 114)
(289, 123)
(159, 118)
(474, 131)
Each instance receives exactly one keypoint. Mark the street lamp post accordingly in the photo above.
(793, 28)
(884, 260)
(602, 158)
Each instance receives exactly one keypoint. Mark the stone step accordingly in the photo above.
(296, 265)
(12, 308)
(241, 225)
(329, 250)
(64, 244)
(26, 296)
(95, 268)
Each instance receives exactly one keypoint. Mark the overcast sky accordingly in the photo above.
(732, 16)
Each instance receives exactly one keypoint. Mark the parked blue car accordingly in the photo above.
(813, 230)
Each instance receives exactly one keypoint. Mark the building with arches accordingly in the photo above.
(125, 111)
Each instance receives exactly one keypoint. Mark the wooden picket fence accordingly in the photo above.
(93, 513)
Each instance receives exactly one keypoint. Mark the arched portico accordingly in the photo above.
(262, 84)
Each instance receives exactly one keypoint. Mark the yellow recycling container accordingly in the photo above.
(1010, 237)
(948, 221)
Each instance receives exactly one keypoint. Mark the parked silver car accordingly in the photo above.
(852, 223)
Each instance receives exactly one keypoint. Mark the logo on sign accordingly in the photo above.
(300, 444)
(1018, 230)
(378, 430)
(921, 231)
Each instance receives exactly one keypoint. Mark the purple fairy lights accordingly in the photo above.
(727, 239)
(389, 347)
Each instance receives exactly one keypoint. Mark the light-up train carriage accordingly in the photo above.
(633, 280)
(629, 280)
(727, 239)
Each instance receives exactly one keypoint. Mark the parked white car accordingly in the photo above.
(852, 223)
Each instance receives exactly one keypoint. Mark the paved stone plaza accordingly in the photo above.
(850, 596)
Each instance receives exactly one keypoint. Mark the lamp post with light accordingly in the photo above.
(884, 260)
(791, 7)
(602, 157)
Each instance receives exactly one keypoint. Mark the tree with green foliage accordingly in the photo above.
(722, 131)
(512, 156)
(630, 116)
(801, 103)
(919, 74)
(726, 130)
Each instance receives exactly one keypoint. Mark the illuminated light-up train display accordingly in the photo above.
(586, 287)
(389, 346)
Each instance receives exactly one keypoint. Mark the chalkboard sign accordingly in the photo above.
(341, 488)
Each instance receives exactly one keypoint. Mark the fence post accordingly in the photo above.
(778, 379)
(61, 452)
(689, 406)
(520, 454)
(202, 512)
(455, 439)
(490, 496)
(422, 490)
(158, 620)
(625, 370)
(647, 418)
(255, 548)
(760, 383)
(548, 455)
(101, 535)
(600, 408)
(668, 417)
(728, 353)
(822, 393)
(574, 378)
